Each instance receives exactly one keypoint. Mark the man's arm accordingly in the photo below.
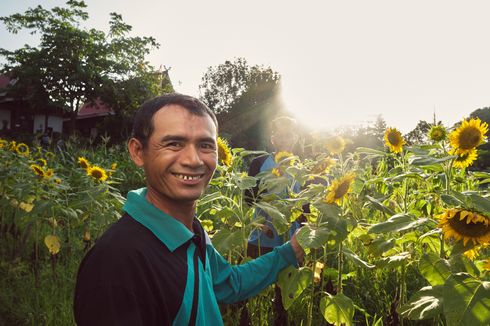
(237, 283)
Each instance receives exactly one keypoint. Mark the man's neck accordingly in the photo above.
(182, 211)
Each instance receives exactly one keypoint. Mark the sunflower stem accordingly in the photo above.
(340, 266)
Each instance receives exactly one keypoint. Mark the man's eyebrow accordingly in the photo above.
(182, 138)
(172, 138)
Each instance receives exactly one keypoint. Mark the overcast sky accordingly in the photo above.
(342, 62)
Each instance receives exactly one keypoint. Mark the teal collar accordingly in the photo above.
(170, 231)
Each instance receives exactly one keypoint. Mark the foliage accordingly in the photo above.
(74, 65)
(245, 100)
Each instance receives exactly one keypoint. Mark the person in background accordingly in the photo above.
(156, 265)
(263, 240)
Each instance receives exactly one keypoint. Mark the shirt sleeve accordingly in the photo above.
(233, 283)
(108, 306)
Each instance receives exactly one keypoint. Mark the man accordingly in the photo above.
(156, 265)
(264, 240)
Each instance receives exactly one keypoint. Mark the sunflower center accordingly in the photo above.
(342, 189)
(470, 138)
(470, 230)
(97, 174)
(393, 138)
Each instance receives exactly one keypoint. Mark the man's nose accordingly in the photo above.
(191, 156)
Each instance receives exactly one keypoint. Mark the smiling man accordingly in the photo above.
(156, 264)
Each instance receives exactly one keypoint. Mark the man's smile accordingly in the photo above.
(188, 176)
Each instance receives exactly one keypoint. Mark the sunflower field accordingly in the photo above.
(393, 236)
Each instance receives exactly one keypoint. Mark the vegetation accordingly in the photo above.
(394, 236)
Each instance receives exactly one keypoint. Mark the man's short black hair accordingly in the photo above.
(143, 119)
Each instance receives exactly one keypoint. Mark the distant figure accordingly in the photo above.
(45, 141)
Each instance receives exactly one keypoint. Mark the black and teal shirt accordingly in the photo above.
(149, 269)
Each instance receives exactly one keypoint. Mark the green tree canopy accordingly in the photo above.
(73, 65)
(245, 99)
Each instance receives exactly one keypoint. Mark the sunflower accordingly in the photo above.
(3, 143)
(486, 265)
(22, 149)
(324, 165)
(276, 172)
(394, 140)
(48, 173)
(113, 166)
(473, 252)
(283, 155)
(340, 188)
(84, 163)
(459, 224)
(42, 162)
(224, 152)
(437, 133)
(335, 144)
(469, 135)
(57, 180)
(13, 145)
(97, 173)
(39, 171)
(464, 160)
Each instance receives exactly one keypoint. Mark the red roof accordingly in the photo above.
(94, 109)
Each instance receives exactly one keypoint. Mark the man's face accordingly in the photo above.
(181, 155)
(284, 140)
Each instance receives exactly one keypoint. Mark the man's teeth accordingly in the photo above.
(188, 177)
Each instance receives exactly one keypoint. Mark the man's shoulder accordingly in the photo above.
(256, 164)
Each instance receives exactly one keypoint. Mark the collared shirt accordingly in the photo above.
(149, 269)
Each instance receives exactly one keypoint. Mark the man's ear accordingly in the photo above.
(135, 149)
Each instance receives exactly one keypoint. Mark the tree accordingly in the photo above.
(483, 161)
(245, 99)
(419, 134)
(74, 65)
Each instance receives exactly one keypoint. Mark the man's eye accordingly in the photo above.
(207, 146)
(174, 144)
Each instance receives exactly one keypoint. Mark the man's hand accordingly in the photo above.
(298, 251)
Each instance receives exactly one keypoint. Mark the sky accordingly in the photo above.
(341, 62)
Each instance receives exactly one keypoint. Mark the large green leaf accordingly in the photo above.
(397, 223)
(224, 240)
(425, 303)
(393, 261)
(278, 219)
(292, 283)
(337, 309)
(428, 160)
(466, 301)
(377, 204)
(378, 246)
(356, 259)
(246, 182)
(435, 269)
(310, 236)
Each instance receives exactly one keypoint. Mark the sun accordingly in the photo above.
(394, 140)
(463, 225)
(339, 189)
(470, 134)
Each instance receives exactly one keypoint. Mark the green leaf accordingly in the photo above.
(393, 261)
(435, 269)
(424, 304)
(310, 236)
(378, 246)
(397, 223)
(292, 283)
(376, 204)
(278, 219)
(337, 309)
(466, 301)
(356, 259)
(478, 203)
(428, 160)
(224, 240)
(246, 182)
(370, 151)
